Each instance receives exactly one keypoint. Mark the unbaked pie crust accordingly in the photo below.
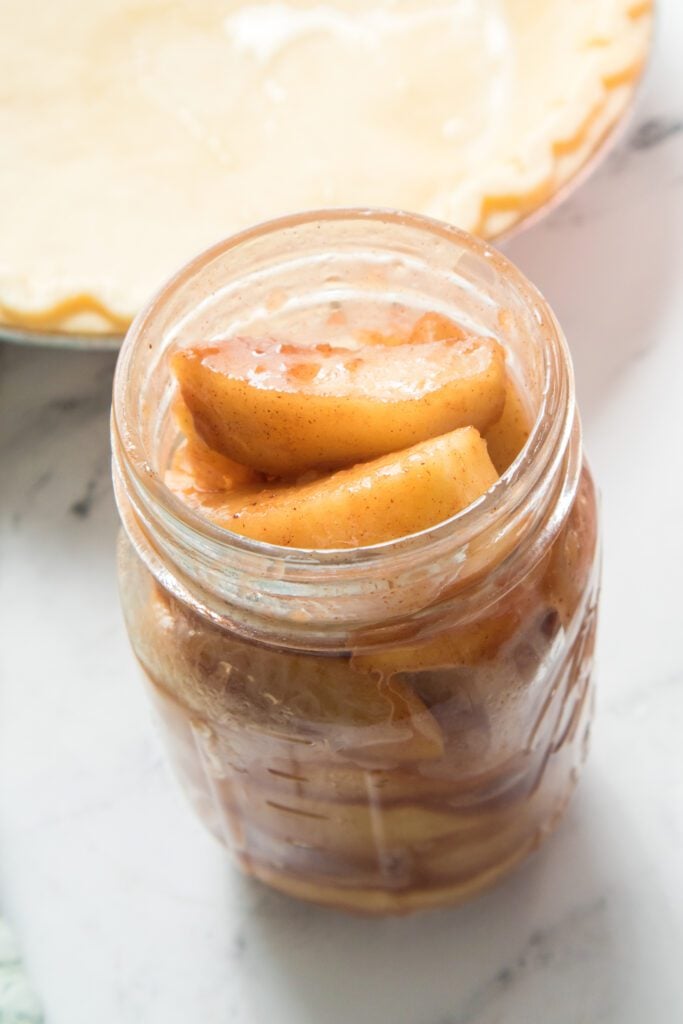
(138, 132)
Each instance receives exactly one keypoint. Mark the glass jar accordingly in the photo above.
(386, 728)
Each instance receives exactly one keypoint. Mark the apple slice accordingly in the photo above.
(284, 409)
(373, 502)
(389, 340)
(470, 645)
(430, 327)
(435, 327)
(196, 467)
(508, 435)
(474, 644)
(256, 702)
(573, 553)
(363, 832)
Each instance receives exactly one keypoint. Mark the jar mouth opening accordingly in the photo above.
(552, 425)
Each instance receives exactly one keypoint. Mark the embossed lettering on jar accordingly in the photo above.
(379, 729)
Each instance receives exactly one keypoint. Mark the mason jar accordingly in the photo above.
(386, 728)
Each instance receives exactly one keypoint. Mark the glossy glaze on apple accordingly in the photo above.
(338, 447)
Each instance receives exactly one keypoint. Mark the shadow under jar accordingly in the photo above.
(380, 729)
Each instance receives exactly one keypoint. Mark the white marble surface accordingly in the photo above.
(128, 912)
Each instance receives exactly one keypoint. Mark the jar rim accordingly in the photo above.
(310, 599)
(127, 437)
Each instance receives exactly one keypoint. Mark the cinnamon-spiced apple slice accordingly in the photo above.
(284, 409)
(391, 497)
